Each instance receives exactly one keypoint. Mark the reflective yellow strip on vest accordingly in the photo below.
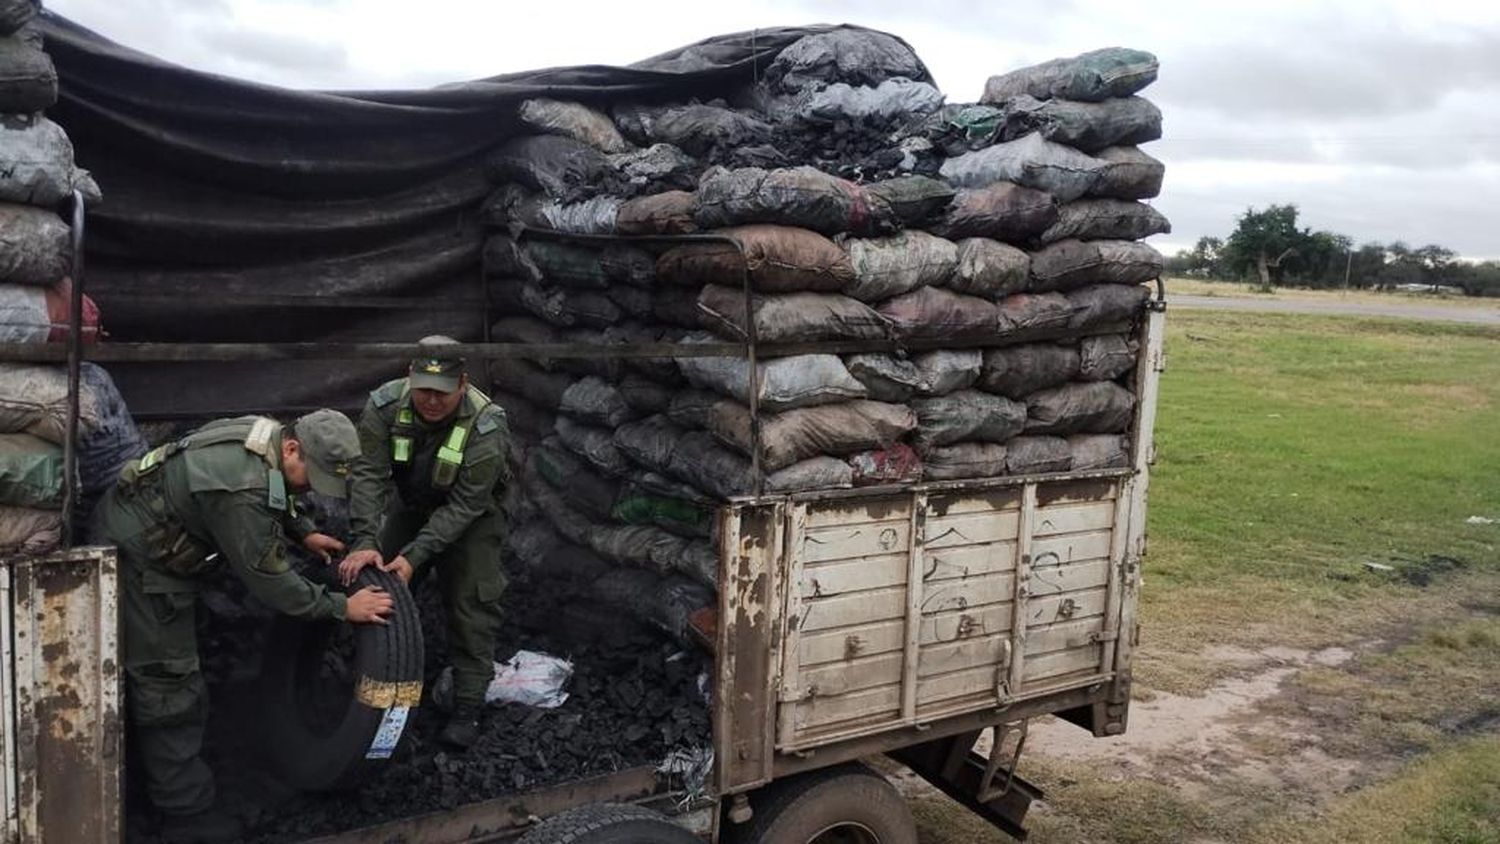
(452, 451)
(401, 449)
(152, 459)
(404, 416)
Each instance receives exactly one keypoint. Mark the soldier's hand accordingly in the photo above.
(402, 568)
(323, 545)
(369, 605)
(349, 567)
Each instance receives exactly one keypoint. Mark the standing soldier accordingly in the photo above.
(221, 496)
(439, 445)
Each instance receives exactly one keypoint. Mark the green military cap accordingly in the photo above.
(431, 373)
(330, 446)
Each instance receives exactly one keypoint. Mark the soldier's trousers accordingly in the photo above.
(471, 582)
(165, 695)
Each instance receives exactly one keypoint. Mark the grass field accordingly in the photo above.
(1292, 451)
(1200, 287)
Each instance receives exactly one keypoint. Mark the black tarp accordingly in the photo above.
(216, 187)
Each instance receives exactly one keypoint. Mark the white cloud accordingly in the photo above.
(1375, 116)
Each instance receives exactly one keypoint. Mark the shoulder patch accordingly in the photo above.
(491, 418)
(388, 392)
(226, 467)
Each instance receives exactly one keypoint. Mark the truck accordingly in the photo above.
(923, 623)
(926, 623)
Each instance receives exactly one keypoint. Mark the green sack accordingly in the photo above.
(31, 472)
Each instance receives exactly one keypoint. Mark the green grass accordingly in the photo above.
(1292, 450)
(1451, 797)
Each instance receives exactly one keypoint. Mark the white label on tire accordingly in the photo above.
(389, 734)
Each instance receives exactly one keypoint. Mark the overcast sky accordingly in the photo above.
(1380, 119)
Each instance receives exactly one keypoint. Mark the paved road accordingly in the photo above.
(1478, 316)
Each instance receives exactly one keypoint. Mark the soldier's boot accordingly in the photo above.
(207, 827)
(462, 729)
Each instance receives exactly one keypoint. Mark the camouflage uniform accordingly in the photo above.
(215, 499)
(448, 478)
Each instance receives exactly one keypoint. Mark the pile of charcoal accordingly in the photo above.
(634, 698)
(984, 258)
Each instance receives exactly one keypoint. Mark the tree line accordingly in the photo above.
(1268, 247)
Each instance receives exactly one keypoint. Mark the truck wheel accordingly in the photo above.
(318, 734)
(845, 804)
(609, 823)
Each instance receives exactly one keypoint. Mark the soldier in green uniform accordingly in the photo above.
(439, 445)
(221, 497)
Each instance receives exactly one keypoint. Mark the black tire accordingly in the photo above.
(819, 806)
(609, 823)
(317, 732)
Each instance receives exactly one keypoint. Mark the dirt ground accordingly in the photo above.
(1272, 746)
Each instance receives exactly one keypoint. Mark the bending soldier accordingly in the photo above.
(439, 445)
(221, 497)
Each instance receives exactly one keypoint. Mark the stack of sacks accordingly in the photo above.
(983, 227)
(37, 180)
(33, 428)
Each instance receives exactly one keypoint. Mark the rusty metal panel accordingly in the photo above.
(66, 696)
(751, 632)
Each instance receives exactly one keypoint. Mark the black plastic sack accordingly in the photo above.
(1018, 371)
(935, 313)
(886, 377)
(785, 383)
(1128, 173)
(853, 56)
(568, 264)
(573, 120)
(990, 268)
(104, 446)
(1095, 407)
(657, 168)
(790, 317)
(1106, 304)
(1091, 77)
(890, 266)
(944, 371)
(915, 200)
(1105, 357)
(525, 417)
(38, 163)
(35, 246)
(1001, 211)
(1105, 219)
(15, 14)
(967, 415)
(1071, 264)
(778, 259)
(1092, 452)
(649, 442)
(703, 131)
(963, 460)
(1032, 312)
(595, 445)
(645, 395)
(1030, 161)
(1088, 127)
(797, 196)
(559, 167)
(28, 81)
(593, 400)
(1036, 455)
(829, 429)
